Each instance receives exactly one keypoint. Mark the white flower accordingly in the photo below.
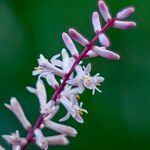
(15, 140)
(43, 142)
(67, 62)
(46, 67)
(40, 92)
(63, 129)
(68, 91)
(85, 80)
(16, 108)
(49, 110)
(73, 109)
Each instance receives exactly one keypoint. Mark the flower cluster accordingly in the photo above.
(67, 75)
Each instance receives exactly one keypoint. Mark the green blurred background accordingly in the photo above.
(119, 118)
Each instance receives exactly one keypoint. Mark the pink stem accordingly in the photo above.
(39, 121)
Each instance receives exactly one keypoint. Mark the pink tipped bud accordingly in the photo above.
(63, 129)
(16, 108)
(104, 40)
(104, 10)
(78, 37)
(101, 51)
(57, 140)
(124, 25)
(70, 45)
(96, 22)
(125, 13)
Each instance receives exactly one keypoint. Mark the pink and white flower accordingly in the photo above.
(73, 109)
(43, 142)
(15, 140)
(85, 80)
(16, 108)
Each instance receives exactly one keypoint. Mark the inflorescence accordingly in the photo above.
(66, 74)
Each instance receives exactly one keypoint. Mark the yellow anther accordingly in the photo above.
(86, 79)
(78, 97)
(38, 68)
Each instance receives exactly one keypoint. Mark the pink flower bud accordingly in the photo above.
(125, 13)
(104, 40)
(63, 129)
(104, 10)
(124, 25)
(70, 45)
(16, 108)
(57, 140)
(97, 28)
(101, 51)
(96, 22)
(78, 37)
(40, 92)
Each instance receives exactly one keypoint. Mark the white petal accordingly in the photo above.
(65, 58)
(52, 81)
(41, 92)
(73, 81)
(55, 61)
(88, 68)
(66, 117)
(31, 90)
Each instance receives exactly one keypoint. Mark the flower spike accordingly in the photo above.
(69, 78)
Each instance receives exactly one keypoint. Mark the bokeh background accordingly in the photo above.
(119, 118)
